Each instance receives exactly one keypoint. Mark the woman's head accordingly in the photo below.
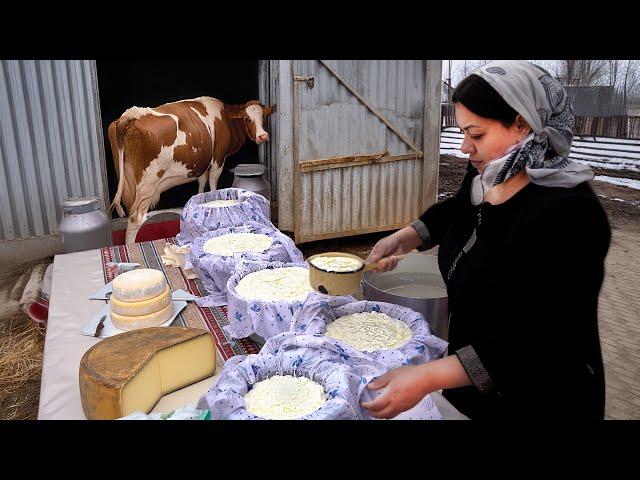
(489, 124)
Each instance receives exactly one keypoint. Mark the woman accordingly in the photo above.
(521, 248)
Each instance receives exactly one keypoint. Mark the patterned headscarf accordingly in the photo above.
(543, 103)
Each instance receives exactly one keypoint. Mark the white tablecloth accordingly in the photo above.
(75, 277)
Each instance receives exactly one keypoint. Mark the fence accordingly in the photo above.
(602, 152)
(614, 127)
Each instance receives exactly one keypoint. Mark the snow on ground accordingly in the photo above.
(608, 165)
(454, 152)
(625, 182)
(597, 152)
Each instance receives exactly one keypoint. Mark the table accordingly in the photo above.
(78, 275)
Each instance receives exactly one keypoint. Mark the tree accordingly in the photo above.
(464, 67)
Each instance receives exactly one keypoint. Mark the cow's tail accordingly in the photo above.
(118, 197)
(120, 130)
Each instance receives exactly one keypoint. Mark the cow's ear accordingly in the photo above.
(270, 109)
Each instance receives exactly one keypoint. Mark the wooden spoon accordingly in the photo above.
(374, 265)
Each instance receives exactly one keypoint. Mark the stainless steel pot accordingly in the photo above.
(416, 283)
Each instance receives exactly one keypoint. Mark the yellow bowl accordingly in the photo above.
(335, 283)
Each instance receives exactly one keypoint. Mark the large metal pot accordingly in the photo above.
(416, 283)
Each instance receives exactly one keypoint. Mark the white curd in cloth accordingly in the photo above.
(369, 331)
(230, 243)
(337, 264)
(270, 285)
(220, 203)
(284, 397)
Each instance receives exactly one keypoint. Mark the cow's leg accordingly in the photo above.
(202, 181)
(214, 174)
(144, 197)
(135, 223)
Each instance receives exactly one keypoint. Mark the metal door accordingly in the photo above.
(359, 131)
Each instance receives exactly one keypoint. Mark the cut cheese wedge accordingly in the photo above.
(123, 322)
(130, 372)
(145, 307)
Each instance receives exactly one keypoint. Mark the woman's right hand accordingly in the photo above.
(386, 247)
(398, 243)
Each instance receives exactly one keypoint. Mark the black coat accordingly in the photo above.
(525, 297)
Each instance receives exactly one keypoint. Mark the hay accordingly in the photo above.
(21, 348)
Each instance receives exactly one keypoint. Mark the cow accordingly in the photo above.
(155, 149)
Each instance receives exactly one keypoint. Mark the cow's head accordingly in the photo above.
(254, 114)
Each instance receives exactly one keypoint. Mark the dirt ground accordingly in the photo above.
(623, 215)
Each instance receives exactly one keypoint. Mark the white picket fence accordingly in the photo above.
(598, 152)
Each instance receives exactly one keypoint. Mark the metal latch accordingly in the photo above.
(301, 78)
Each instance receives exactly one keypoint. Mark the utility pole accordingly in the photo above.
(449, 85)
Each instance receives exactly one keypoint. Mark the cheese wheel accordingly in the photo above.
(285, 283)
(130, 372)
(369, 331)
(228, 244)
(284, 397)
(139, 284)
(133, 323)
(138, 309)
(220, 203)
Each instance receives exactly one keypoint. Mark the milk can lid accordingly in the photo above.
(76, 205)
(249, 170)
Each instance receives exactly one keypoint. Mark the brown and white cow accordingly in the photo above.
(155, 149)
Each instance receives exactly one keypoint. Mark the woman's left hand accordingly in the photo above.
(405, 387)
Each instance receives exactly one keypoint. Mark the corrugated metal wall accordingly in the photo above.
(331, 122)
(267, 152)
(51, 144)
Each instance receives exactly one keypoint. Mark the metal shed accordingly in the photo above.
(354, 146)
(50, 148)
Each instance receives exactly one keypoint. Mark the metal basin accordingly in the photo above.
(416, 283)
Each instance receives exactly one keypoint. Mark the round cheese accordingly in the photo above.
(284, 397)
(270, 285)
(123, 322)
(369, 331)
(139, 284)
(230, 243)
(144, 307)
(220, 203)
(337, 264)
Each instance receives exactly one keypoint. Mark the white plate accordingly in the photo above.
(108, 330)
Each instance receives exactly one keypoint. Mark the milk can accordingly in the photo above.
(84, 226)
(250, 176)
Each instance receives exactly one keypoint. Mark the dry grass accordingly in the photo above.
(21, 350)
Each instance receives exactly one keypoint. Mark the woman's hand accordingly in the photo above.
(386, 247)
(405, 387)
(398, 243)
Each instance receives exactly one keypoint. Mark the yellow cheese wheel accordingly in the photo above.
(144, 307)
(133, 323)
(139, 284)
(130, 372)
